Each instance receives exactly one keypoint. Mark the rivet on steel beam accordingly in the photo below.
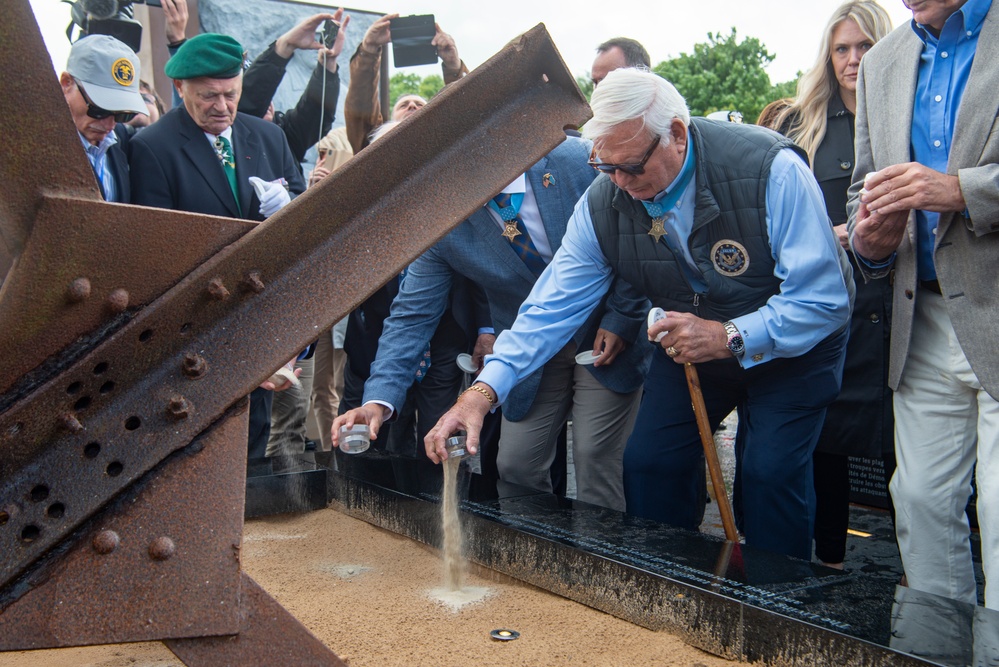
(161, 548)
(118, 300)
(69, 422)
(253, 282)
(106, 541)
(179, 407)
(194, 366)
(79, 290)
(217, 290)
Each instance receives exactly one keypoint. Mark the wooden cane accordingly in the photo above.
(710, 454)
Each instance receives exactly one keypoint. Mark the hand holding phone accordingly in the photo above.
(327, 36)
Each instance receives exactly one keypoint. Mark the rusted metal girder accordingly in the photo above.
(146, 345)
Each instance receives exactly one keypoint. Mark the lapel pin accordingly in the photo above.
(547, 180)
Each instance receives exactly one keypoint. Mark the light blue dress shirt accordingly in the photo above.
(944, 67)
(98, 157)
(813, 301)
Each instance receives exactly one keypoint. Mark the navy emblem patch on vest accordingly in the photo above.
(730, 258)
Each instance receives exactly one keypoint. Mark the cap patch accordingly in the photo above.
(123, 71)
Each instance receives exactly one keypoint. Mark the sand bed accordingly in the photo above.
(370, 596)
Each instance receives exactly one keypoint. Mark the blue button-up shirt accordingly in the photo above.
(944, 68)
(98, 157)
(812, 304)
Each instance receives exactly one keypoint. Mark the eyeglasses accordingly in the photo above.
(97, 113)
(633, 169)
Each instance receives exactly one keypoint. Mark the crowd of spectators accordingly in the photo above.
(826, 270)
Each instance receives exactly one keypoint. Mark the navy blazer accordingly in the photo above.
(475, 249)
(174, 166)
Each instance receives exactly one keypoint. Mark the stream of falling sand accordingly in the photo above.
(454, 594)
(454, 566)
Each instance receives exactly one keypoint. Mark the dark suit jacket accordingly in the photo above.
(173, 166)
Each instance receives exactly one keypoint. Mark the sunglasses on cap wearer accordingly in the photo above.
(633, 169)
(97, 113)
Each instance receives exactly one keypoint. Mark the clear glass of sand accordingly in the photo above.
(354, 439)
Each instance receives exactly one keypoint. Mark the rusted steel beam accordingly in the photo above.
(160, 561)
(268, 635)
(41, 150)
(245, 311)
(86, 261)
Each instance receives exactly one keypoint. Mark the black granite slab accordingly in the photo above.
(730, 600)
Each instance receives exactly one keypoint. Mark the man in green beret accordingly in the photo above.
(204, 157)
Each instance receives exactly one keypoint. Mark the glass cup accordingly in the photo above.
(456, 446)
(354, 439)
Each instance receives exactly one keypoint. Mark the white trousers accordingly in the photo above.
(944, 423)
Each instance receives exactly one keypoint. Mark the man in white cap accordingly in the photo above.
(101, 87)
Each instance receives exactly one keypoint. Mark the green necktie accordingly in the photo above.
(223, 149)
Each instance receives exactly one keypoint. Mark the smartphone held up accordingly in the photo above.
(411, 40)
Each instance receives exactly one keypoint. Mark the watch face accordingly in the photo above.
(736, 345)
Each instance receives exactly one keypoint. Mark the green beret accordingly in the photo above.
(208, 54)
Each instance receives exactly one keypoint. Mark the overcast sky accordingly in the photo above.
(788, 28)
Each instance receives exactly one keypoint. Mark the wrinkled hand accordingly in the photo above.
(842, 236)
(446, 49)
(175, 20)
(273, 196)
(608, 345)
(465, 415)
(911, 187)
(483, 346)
(302, 35)
(379, 34)
(876, 236)
(372, 414)
(694, 339)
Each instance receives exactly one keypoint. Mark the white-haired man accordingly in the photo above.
(724, 227)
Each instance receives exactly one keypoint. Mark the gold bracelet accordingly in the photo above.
(481, 390)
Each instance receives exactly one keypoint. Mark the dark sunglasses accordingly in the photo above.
(633, 169)
(98, 113)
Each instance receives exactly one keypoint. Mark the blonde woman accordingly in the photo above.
(820, 119)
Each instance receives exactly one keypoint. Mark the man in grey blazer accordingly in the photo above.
(924, 207)
(603, 397)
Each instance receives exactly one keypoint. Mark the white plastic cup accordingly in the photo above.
(466, 364)
(354, 439)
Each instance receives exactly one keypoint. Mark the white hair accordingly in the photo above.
(382, 130)
(628, 94)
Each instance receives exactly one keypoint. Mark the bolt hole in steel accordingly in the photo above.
(92, 450)
(4, 518)
(56, 511)
(107, 387)
(30, 533)
(145, 335)
(82, 404)
(39, 493)
(74, 388)
(115, 468)
(132, 423)
(185, 328)
(101, 368)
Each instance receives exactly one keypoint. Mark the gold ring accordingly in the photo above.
(671, 352)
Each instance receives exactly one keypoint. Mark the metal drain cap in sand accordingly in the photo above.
(504, 635)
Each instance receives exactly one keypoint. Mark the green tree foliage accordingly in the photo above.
(585, 84)
(412, 84)
(724, 73)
